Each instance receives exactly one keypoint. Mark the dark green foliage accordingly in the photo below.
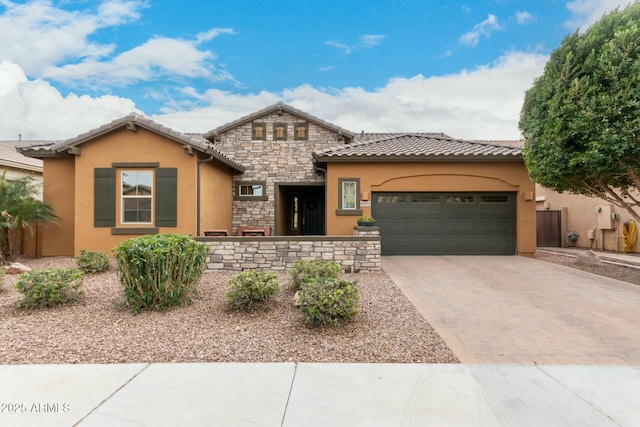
(160, 270)
(251, 288)
(50, 287)
(580, 119)
(329, 301)
(20, 208)
(304, 270)
(90, 262)
(2, 276)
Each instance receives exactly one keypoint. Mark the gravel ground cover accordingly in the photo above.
(100, 330)
(618, 272)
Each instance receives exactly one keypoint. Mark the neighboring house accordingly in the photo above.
(14, 165)
(565, 219)
(291, 174)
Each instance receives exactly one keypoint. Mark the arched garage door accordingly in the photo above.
(446, 223)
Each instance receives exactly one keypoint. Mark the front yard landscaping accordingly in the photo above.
(101, 329)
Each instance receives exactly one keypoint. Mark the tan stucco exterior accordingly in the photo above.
(581, 214)
(59, 191)
(435, 177)
(70, 189)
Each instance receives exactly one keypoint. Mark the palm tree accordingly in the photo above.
(20, 208)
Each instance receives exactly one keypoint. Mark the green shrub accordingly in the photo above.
(2, 275)
(90, 262)
(329, 301)
(251, 288)
(159, 270)
(50, 287)
(304, 270)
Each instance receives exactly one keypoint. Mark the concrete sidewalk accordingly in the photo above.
(310, 394)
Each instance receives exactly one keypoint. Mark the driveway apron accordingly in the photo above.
(492, 309)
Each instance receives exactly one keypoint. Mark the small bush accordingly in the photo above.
(2, 275)
(90, 262)
(50, 287)
(304, 270)
(329, 301)
(251, 288)
(160, 270)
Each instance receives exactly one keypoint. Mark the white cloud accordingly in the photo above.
(584, 13)
(484, 28)
(38, 111)
(37, 34)
(365, 41)
(152, 60)
(327, 68)
(53, 43)
(523, 17)
(483, 103)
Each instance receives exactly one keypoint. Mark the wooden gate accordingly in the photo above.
(548, 229)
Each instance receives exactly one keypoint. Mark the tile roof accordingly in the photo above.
(9, 157)
(278, 107)
(40, 149)
(417, 146)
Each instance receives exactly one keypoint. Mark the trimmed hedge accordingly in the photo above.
(49, 287)
(252, 288)
(304, 270)
(160, 270)
(329, 301)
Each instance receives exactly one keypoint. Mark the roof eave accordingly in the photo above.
(421, 158)
(222, 159)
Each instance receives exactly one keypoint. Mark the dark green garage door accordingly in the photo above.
(446, 223)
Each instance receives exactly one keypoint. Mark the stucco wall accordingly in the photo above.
(436, 176)
(59, 192)
(70, 189)
(582, 216)
(272, 161)
(215, 197)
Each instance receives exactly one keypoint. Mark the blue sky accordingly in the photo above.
(459, 67)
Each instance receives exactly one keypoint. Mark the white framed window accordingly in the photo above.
(349, 193)
(137, 197)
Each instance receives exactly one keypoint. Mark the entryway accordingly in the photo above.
(300, 210)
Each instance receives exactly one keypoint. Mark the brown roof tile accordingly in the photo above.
(418, 146)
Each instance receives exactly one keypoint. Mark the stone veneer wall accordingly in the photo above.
(272, 161)
(357, 253)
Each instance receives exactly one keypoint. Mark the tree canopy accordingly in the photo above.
(581, 118)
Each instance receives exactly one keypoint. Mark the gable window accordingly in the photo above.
(301, 131)
(137, 197)
(279, 131)
(348, 190)
(259, 131)
(251, 190)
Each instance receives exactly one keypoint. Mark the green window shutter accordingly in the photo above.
(166, 197)
(104, 197)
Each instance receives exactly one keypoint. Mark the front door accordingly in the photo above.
(312, 211)
(301, 210)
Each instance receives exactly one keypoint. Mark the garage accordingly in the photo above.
(454, 223)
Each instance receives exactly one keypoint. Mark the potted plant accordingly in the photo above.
(366, 221)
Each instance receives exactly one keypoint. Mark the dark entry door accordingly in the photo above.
(312, 211)
(548, 229)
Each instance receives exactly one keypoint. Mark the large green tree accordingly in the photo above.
(20, 208)
(581, 118)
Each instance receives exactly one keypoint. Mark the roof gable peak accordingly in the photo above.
(279, 108)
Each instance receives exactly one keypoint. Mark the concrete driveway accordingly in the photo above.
(493, 309)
